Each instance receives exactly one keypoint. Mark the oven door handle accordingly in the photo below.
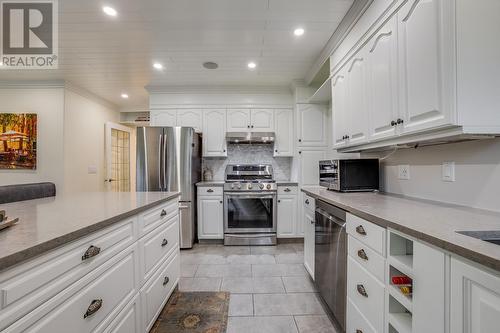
(249, 196)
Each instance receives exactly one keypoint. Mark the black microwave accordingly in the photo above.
(350, 175)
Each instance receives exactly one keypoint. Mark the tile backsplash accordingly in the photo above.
(249, 154)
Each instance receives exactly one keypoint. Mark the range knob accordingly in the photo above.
(268, 186)
(261, 186)
(238, 186)
(250, 186)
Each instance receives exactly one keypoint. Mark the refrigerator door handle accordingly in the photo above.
(160, 161)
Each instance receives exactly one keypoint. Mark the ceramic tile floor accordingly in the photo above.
(270, 290)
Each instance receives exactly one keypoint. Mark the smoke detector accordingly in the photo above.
(210, 65)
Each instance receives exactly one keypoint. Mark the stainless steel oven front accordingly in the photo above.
(250, 218)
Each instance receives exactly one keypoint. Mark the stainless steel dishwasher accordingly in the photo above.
(330, 263)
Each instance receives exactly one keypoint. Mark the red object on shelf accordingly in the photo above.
(401, 279)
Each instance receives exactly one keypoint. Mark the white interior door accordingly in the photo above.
(117, 157)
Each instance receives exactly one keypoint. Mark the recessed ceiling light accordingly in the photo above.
(109, 11)
(252, 65)
(124, 96)
(210, 65)
(158, 66)
(299, 32)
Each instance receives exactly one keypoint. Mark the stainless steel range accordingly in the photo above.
(250, 203)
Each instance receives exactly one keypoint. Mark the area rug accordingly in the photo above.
(194, 312)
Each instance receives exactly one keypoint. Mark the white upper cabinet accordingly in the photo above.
(309, 167)
(190, 118)
(262, 120)
(357, 125)
(238, 120)
(163, 118)
(214, 132)
(312, 125)
(382, 81)
(339, 109)
(420, 58)
(283, 145)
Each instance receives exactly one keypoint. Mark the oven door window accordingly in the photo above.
(250, 213)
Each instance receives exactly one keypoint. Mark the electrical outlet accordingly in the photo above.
(448, 172)
(404, 172)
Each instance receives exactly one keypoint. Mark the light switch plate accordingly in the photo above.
(448, 171)
(404, 172)
(92, 170)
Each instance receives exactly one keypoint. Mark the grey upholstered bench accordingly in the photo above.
(21, 192)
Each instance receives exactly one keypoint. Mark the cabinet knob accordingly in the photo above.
(163, 213)
(360, 230)
(248, 126)
(276, 150)
(400, 121)
(287, 190)
(393, 123)
(252, 126)
(210, 190)
(94, 306)
(362, 290)
(279, 201)
(300, 140)
(220, 201)
(224, 151)
(300, 152)
(359, 331)
(164, 242)
(347, 136)
(166, 280)
(307, 201)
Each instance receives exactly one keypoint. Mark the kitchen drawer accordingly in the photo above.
(287, 190)
(210, 190)
(155, 293)
(370, 305)
(308, 202)
(25, 287)
(356, 322)
(128, 320)
(367, 232)
(156, 246)
(114, 283)
(156, 216)
(367, 258)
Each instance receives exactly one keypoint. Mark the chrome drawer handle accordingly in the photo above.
(362, 254)
(361, 290)
(164, 242)
(92, 251)
(163, 212)
(307, 201)
(166, 280)
(210, 190)
(287, 190)
(360, 230)
(94, 306)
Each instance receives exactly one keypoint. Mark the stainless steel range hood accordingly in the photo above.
(250, 137)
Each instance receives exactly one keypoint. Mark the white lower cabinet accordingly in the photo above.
(116, 289)
(287, 216)
(309, 239)
(210, 213)
(475, 299)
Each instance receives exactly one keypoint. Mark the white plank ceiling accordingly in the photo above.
(110, 55)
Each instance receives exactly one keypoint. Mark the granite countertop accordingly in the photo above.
(47, 223)
(221, 183)
(429, 221)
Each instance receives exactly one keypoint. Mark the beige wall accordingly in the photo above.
(84, 122)
(477, 173)
(48, 103)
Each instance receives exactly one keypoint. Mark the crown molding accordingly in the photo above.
(31, 84)
(217, 89)
(90, 95)
(352, 16)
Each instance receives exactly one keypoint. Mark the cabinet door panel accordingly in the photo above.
(214, 133)
(262, 120)
(287, 215)
(382, 82)
(312, 127)
(339, 109)
(190, 118)
(309, 167)
(238, 120)
(420, 50)
(475, 299)
(163, 118)
(210, 218)
(283, 146)
(357, 108)
(309, 231)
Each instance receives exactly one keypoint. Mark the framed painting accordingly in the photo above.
(18, 139)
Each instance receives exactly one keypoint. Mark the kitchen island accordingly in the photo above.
(96, 262)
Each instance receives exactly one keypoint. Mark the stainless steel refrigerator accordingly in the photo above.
(169, 159)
